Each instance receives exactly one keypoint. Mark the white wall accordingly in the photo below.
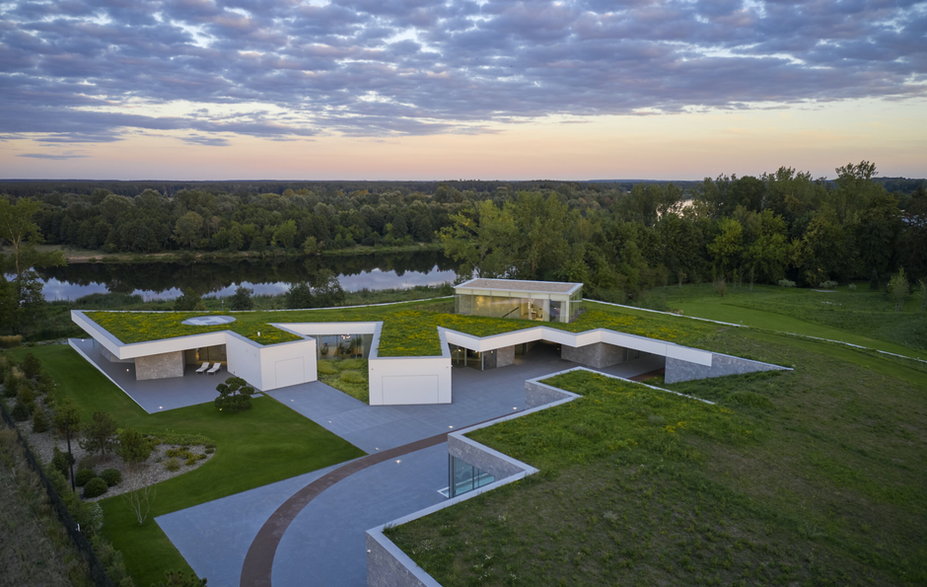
(410, 380)
(274, 366)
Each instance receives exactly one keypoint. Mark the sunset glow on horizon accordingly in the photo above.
(418, 90)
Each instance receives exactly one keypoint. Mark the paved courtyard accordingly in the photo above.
(324, 544)
(155, 395)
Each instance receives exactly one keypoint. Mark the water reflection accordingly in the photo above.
(165, 281)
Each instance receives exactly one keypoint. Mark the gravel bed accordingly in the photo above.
(144, 474)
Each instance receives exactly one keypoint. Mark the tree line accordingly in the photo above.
(782, 227)
(618, 238)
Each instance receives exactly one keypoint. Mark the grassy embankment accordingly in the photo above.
(808, 476)
(265, 444)
(78, 255)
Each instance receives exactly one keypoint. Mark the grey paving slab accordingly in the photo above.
(155, 395)
(324, 546)
(215, 536)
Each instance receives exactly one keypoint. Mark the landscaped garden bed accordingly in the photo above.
(255, 447)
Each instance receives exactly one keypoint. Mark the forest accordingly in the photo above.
(619, 238)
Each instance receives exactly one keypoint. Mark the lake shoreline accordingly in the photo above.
(82, 256)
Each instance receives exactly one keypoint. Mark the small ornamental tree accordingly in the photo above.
(133, 446)
(234, 395)
(99, 434)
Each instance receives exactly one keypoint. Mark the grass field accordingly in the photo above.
(857, 316)
(265, 444)
(809, 476)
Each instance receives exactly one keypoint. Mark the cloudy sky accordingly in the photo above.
(432, 89)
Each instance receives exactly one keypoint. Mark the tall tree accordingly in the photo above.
(480, 240)
(20, 233)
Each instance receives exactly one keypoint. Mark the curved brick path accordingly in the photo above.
(258, 565)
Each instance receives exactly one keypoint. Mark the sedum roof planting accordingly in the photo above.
(409, 329)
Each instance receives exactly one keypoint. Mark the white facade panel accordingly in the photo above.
(410, 380)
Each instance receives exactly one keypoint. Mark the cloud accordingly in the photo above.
(92, 71)
(59, 157)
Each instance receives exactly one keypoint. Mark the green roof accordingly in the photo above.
(409, 329)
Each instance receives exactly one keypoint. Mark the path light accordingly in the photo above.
(398, 461)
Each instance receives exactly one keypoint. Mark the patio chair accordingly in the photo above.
(214, 369)
(203, 367)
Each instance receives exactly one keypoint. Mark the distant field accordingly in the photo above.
(810, 476)
(857, 316)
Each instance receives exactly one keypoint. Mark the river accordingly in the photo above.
(166, 281)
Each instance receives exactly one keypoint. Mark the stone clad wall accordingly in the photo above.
(161, 366)
(481, 457)
(598, 355)
(385, 569)
(505, 356)
(538, 394)
(678, 370)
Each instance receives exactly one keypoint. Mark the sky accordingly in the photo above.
(473, 89)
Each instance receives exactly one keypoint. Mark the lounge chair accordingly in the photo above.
(214, 369)
(203, 367)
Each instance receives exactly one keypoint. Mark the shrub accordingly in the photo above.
(111, 476)
(45, 384)
(20, 412)
(194, 458)
(61, 461)
(352, 377)
(325, 367)
(31, 366)
(172, 464)
(786, 283)
(26, 394)
(39, 421)
(898, 288)
(11, 340)
(11, 384)
(234, 395)
(100, 434)
(83, 476)
(95, 487)
(827, 284)
(241, 300)
(353, 363)
(133, 446)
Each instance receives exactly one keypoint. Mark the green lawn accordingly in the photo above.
(857, 316)
(265, 444)
(809, 476)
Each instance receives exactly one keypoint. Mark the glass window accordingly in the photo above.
(464, 477)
